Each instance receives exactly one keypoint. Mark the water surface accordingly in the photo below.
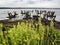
(4, 13)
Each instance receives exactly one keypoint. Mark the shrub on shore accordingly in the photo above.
(30, 34)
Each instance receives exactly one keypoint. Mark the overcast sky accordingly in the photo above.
(30, 3)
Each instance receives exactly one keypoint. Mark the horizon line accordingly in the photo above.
(27, 8)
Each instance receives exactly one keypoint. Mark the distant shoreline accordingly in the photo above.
(26, 8)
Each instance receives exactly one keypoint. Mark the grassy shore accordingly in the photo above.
(30, 33)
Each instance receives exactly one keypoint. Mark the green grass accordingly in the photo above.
(27, 34)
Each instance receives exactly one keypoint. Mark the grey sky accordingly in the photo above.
(30, 3)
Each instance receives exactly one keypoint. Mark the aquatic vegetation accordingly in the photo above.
(30, 34)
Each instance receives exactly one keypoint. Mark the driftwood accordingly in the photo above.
(51, 15)
(27, 14)
(12, 16)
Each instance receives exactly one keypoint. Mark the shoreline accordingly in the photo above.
(15, 22)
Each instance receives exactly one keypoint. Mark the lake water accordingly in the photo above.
(4, 13)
